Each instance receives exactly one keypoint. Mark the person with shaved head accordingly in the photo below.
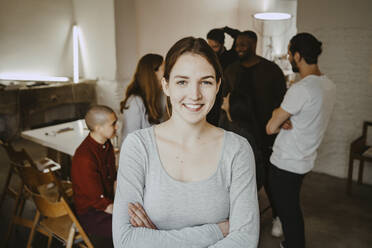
(93, 175)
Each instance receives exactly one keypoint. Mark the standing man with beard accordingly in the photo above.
(263, 84)
(308, 104)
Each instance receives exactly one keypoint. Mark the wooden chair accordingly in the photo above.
(357, 152)
(20, 160)
(54, 214)
(17, 158)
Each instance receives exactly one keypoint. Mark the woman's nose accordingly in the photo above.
(195, 92)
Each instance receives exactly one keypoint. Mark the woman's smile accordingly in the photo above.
(193, 107)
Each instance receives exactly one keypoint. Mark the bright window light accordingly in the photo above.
(30, 77)
(272, 16)
(76, 53)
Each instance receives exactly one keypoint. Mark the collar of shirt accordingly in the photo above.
(104, 146)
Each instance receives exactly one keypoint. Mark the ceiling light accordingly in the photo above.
(272, 16)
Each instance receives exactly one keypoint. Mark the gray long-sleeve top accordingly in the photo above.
(186, 213)
(134, 117)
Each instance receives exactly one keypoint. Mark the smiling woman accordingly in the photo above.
(192, 87)
(185, 182)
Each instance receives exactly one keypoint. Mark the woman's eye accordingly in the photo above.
(181, 82)
(207, 83)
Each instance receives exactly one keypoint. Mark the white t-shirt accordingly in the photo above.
(310, 102)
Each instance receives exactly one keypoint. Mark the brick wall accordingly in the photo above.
(347, 60)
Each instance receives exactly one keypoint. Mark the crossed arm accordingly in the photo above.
(279, 119)
(135, 229)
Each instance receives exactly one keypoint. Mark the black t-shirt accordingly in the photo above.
(263, 86)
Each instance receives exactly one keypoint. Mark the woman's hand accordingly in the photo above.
(109, 209)
(224, 227)
(138, 216)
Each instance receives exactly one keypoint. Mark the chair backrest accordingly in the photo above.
(365, 127)
(20, 158)
(33, 178)
(47, 208)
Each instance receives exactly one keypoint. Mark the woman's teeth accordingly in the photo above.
(193, 106)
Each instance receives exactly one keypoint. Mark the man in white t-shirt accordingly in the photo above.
(301, 121)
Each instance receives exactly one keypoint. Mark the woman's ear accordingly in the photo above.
(165, 86)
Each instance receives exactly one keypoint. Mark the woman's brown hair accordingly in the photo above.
(146, 85)
(195, 46)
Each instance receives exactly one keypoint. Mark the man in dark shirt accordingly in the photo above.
(263, 84)
(93, 175)
(216, 40)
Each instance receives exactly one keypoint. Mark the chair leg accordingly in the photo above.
(32, 232)
(6, 186)
(50, 238)
(360, 174)
(14, 216)
(350, 175)
(21, 206)
(71, 235)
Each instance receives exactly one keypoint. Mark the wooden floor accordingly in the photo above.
(332, 219)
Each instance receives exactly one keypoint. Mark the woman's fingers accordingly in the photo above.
(134, 224)
(224, 227)
(140, 208)
(139, 216)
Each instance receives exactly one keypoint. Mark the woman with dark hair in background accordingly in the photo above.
(239, 112)
(184, 182)
(143, 102)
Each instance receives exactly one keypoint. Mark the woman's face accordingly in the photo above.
(192, 88)
(160, 72)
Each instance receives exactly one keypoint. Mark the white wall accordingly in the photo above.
(126, 38)
(35, 37)
(160, 23)
(345, 29)
(96, 21)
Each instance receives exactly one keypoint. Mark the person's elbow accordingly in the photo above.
(270, 129)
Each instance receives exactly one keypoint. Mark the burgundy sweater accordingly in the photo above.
(93, 174)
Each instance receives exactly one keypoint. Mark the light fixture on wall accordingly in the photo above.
(31, 77)
(75, 42)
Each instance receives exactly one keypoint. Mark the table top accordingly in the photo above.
(65, 137)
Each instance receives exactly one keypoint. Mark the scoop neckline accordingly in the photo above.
(164, 171)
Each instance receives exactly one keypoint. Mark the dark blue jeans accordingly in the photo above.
(285, 190)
